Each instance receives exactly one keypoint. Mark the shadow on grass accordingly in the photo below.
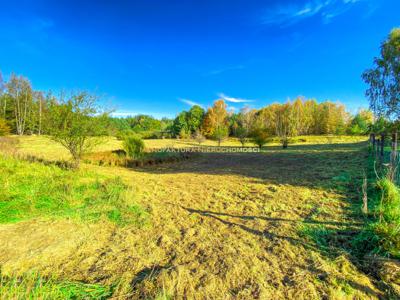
(305, 221)
(331, 243)
(256, 232)
(314, 166)
(322, 275)
(325, 240)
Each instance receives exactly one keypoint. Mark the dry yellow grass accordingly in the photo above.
(43, 146)
(223, 226)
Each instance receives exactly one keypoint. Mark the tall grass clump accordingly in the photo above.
(134, 147)
(387, 210)
(34, 286)
(32, 190)
(8, 145)
(382, 230)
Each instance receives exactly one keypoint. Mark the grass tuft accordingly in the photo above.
(34, 286)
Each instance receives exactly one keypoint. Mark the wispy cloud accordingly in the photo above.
(190, 102)
(226, 69)
(234, 100)
(231, 108)
(290, 14)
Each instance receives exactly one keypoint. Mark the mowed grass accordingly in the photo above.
(270, 225)
(44, 147)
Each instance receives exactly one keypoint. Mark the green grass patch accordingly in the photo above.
(317, 234)
(33, 286)
(381, 233)
(31, 190)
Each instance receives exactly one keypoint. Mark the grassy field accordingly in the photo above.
(42, 146)
(272, 225)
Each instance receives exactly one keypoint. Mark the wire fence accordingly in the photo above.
(385, 151)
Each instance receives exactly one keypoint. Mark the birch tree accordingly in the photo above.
(20, 92)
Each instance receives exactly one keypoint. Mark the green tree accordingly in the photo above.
(145, 125)
(384, 78)
(361, 123)
(194, 118)
(381, 125)
(180, 123)
(76, 123)
(220, 133)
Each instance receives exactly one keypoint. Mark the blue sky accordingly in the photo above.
(160, 57)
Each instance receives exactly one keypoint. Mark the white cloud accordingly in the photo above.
(190, 102)
(286, 15)
(233, 100)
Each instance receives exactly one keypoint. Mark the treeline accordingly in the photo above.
(298, 117)
(25, 111)
(145, 126)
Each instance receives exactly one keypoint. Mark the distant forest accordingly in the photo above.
(24, 111)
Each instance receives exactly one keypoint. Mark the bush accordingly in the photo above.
(184, 134)
(259, 137)
(4, 128)
(123, 134)
(134, 147)
(199, 137)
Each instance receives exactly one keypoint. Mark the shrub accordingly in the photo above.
(134, 147)
(184, 134)
(242, 133)
(259, 137)
(220, 133)
(123, 134)
(4, 128)
(199, 137)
